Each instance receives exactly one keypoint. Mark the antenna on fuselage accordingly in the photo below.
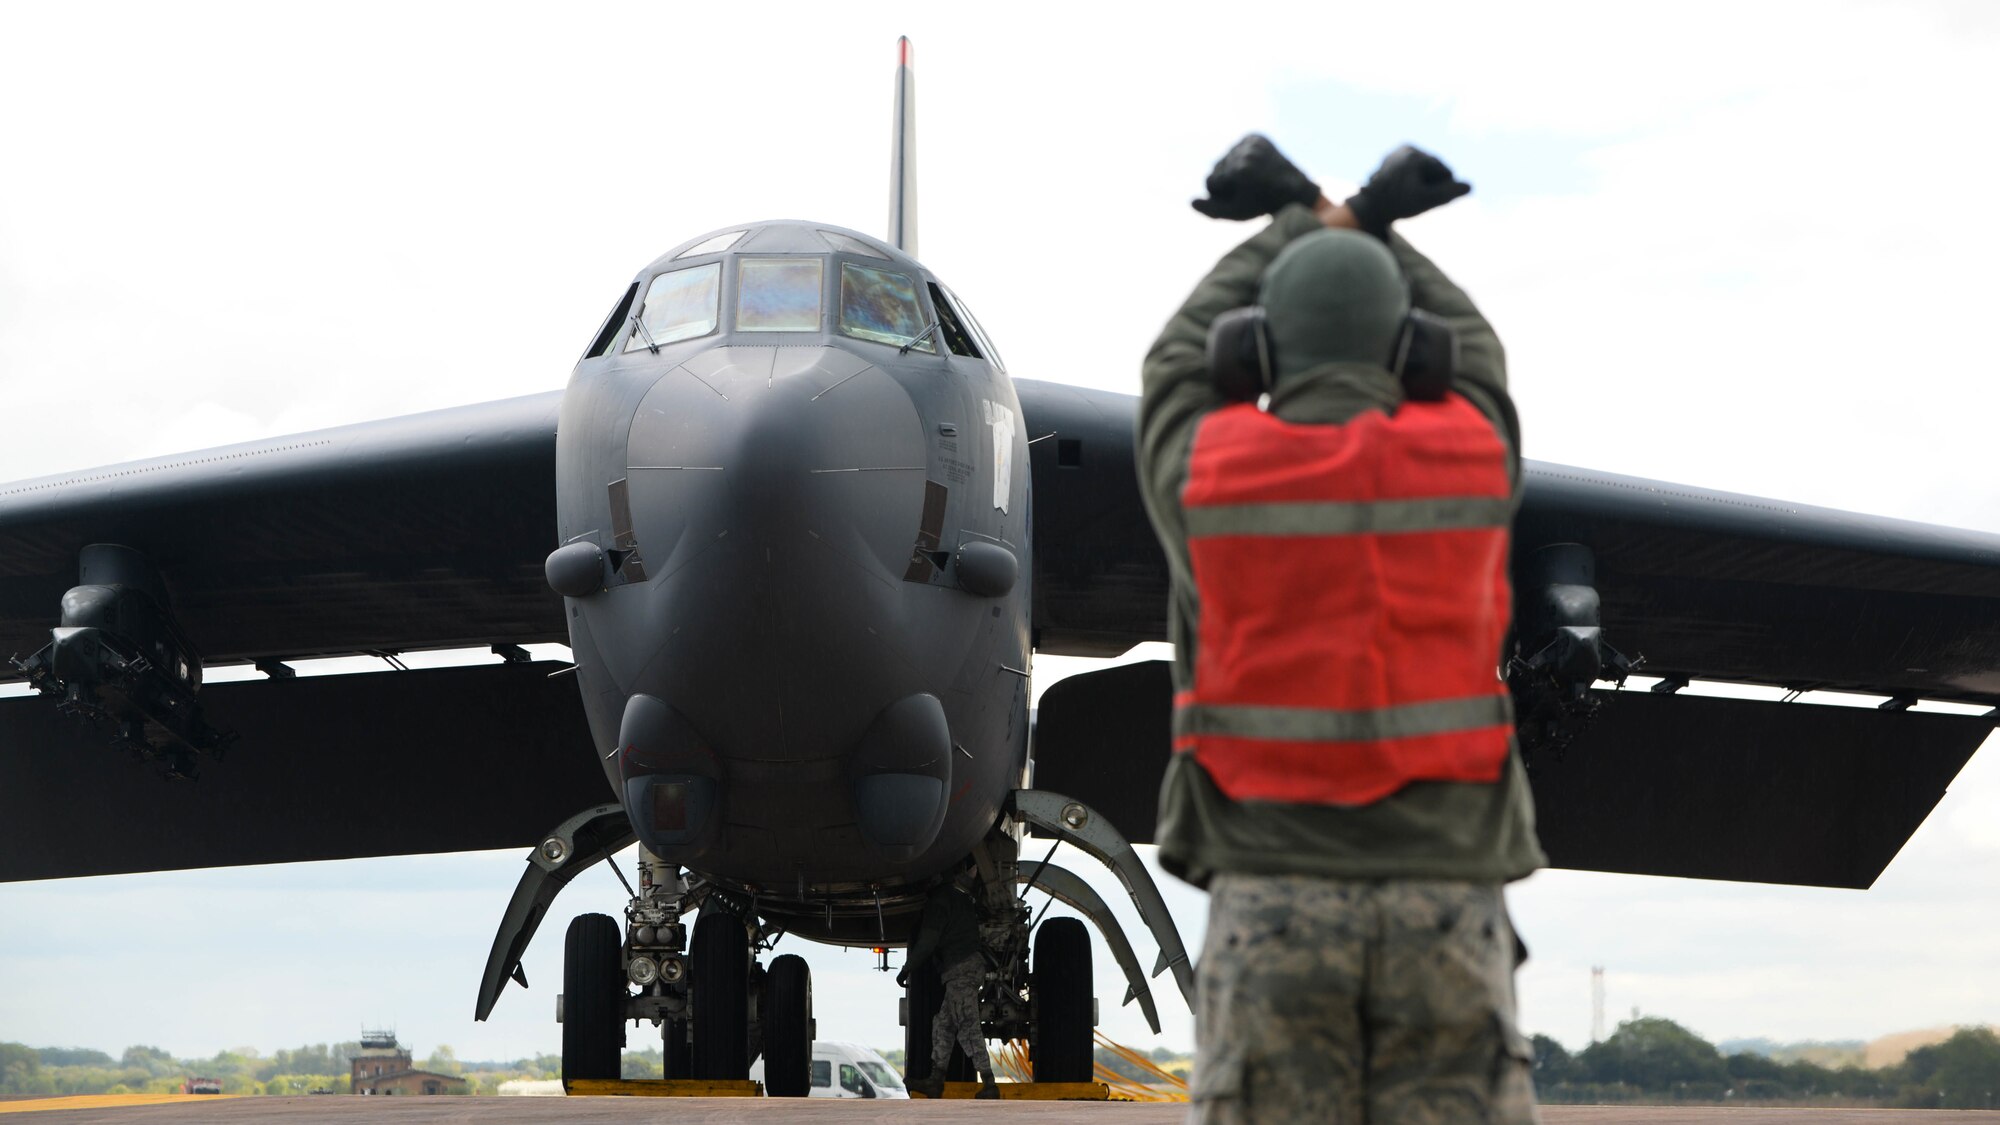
(903, 154)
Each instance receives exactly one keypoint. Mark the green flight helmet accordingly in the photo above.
(1333, 296)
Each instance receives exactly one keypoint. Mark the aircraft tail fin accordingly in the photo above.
(903, 154)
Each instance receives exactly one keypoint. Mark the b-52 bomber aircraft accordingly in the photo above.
(802, 531)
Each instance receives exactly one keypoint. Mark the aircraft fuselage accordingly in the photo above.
(805, 668)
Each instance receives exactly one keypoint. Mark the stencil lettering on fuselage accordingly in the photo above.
(1001, 418)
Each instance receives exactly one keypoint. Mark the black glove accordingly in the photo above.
(903, 978)
(1254, 179)
(1409, 183)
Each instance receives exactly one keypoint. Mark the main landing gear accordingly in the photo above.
(1045, 996)
(719, 1008)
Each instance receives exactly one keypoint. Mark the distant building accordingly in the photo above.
(384, 1066)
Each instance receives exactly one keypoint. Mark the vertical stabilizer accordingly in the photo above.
(903, 154)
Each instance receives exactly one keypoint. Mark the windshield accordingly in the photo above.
(679, 306)
(778, 295)
(881, 305)
(882, 1075)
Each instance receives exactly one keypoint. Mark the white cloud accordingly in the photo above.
(226, 221)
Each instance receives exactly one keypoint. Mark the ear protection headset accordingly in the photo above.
(1242, 366)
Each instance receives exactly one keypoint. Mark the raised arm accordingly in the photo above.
(1482, 362)
(1177, 391)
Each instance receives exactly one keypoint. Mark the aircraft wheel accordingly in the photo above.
(675, 1050)
(788, 1023)
(922, 998)
(1060, 988)
(719, 959)
(593, 1030)
(926, 996)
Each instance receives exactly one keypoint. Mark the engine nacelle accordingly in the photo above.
(118, 656)
(1561, 650)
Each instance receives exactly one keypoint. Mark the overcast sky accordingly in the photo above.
(1745, 247)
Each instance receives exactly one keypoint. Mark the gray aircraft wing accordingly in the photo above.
(426, 531)
(429, 531)
(1699, 584)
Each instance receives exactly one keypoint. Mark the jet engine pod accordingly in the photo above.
(670, 781)
(987, 569)
(119, 655)
(575, 570)
(902, 768)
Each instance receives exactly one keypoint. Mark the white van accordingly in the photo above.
(847, 1070)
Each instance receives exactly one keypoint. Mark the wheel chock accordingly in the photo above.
(666, 1088)
(1034, 1091)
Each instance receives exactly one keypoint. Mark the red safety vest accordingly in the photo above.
(1354, 598)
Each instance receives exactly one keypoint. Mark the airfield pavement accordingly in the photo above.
(724, 1111)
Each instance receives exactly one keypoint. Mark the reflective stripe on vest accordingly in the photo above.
(1354, 598)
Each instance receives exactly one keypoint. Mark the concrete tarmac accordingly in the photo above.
(763, 1111)
(697, 1111)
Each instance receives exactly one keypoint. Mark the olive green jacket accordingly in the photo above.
(948, 930)
(1429, 829)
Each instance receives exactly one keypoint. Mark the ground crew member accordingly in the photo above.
(948, 934)
(1344, 781)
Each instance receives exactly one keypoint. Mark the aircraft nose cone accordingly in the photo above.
(776, 495)
(775, 443)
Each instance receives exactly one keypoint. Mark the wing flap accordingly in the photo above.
(1758, 792)
(1680, 785)
(1103, 738)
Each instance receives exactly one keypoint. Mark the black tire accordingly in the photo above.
(788, 1024)
(924, 996)
(675, 1050)
(1061, 1042)
(719, 959)
(593, 1030)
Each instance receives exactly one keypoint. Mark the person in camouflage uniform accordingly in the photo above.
(948, 934)
(1359, 960)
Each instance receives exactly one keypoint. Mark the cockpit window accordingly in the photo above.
(778, 294)
(849, 245)
(955, 336)
(714, 245)
(679, 306)
(881, 305)
(613, 323)
(979, 335)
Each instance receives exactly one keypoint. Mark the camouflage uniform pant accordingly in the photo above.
(958, 1018)
(1389, 1002)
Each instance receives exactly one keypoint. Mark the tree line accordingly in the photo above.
(1651, 1059)
(316, 1068)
